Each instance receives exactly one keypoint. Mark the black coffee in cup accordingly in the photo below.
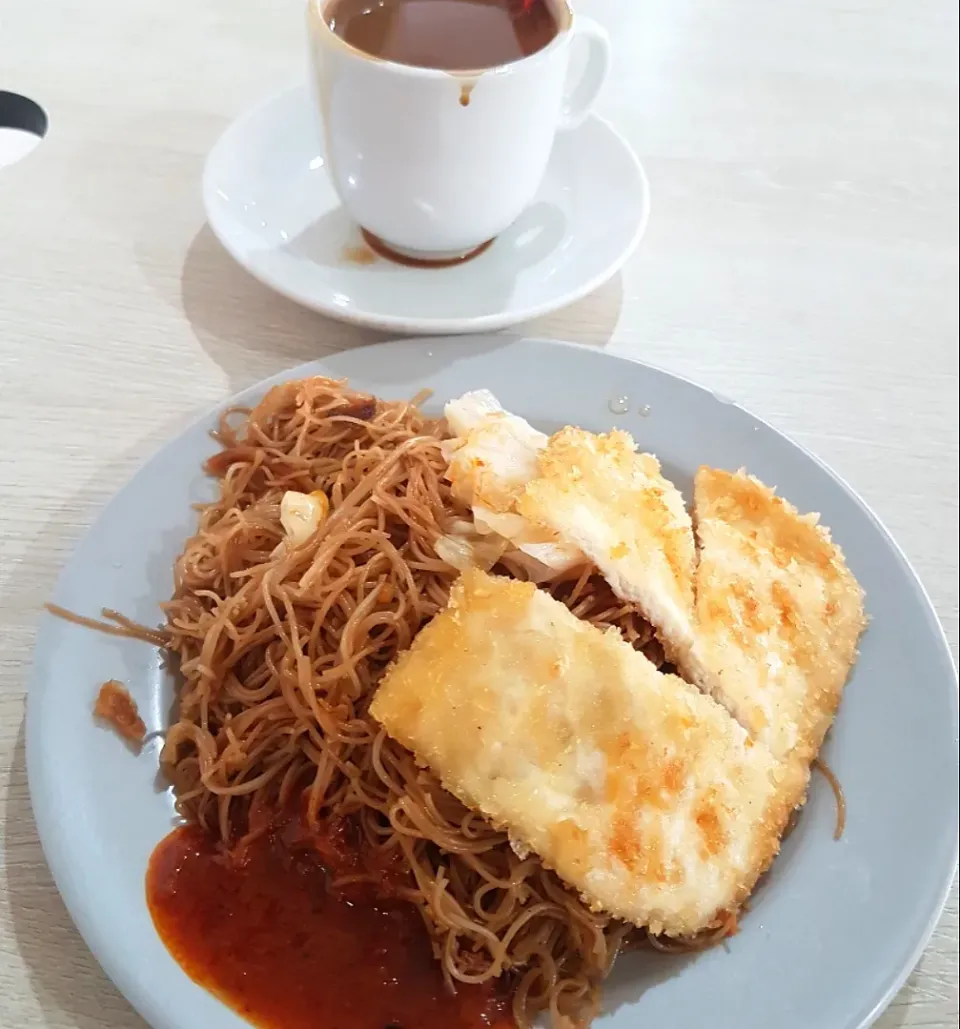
(452, 35)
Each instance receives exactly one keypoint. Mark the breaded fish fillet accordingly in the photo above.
(766, 622)
(598, 493)
(639, 791)
(779, 613)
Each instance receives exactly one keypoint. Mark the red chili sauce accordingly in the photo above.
(266, 934)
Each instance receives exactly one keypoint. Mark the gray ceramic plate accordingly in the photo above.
(836, 927)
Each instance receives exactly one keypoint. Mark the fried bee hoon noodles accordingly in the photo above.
(281, 647)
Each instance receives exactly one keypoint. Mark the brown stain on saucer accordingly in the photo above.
(384, 250)
(360, 255)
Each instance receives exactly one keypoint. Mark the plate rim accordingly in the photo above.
(127, 982)
(406, 324)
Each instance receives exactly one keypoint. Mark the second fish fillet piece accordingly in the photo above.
(599, 494)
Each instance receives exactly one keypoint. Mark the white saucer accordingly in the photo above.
(270, 203)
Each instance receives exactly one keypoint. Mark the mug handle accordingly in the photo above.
(580, 99)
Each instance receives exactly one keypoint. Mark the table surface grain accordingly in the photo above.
(801, 257)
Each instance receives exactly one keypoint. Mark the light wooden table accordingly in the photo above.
(801, 257)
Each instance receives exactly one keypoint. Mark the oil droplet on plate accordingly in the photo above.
(619, 405)
(644, 410)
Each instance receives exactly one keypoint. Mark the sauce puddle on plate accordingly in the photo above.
(268, 937)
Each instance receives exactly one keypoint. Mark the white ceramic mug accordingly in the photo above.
(429, 174)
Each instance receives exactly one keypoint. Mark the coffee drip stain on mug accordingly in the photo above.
(467, 86)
